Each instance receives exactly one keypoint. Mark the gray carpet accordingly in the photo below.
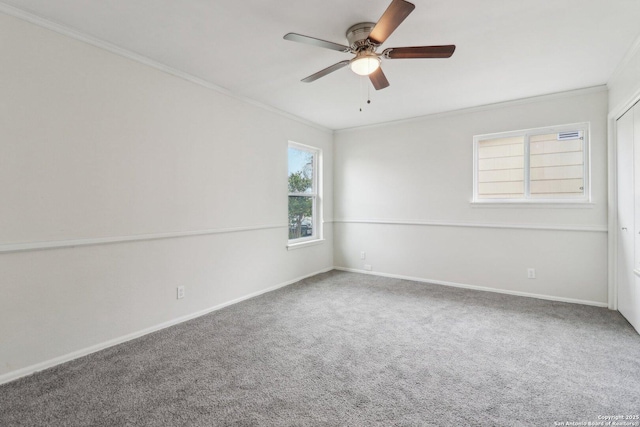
(343, 349)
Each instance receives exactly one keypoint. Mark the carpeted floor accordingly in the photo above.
(344, 349)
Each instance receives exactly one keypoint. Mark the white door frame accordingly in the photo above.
(612, 210)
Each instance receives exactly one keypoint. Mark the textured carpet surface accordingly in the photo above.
(352, 350)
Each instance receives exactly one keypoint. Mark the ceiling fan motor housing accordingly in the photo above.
(357, 35)
(365, 38)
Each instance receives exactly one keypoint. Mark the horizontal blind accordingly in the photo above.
(556, 166)
(501, 168)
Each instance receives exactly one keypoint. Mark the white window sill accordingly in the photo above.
(580, 204)
(300, 245)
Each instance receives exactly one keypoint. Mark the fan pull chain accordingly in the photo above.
(363, 81)
(361, 93)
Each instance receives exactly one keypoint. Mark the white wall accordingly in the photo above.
(624, 85)
(404, 199)
(624, 92)
(94, 145)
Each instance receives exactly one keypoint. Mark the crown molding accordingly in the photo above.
(631, 52)
(486, 107)
(85, 38)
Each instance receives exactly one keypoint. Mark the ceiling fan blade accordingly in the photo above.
(322, 73)
(316, 42)
(397, 11)
(378, 79)
(419, 52)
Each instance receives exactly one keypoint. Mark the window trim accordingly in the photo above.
(585, 127)
(316, 209)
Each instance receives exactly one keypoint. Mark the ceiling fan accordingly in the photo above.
(365, 38)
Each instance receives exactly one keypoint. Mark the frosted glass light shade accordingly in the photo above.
(365, 65)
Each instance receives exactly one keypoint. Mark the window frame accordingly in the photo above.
(316, 196)
(527, 134)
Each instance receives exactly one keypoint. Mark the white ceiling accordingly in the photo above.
(506, 49)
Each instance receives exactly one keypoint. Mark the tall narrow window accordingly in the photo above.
(535, 165)
(304, 196)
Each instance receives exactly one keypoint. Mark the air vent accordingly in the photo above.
(574, 134)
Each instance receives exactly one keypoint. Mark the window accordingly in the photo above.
(535, 165)
(304, 199)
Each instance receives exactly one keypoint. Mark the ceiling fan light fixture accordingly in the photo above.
(365, 64)
(365, 38)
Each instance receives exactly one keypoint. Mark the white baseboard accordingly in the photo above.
(23, 372)
(477, 288)
(14, 375)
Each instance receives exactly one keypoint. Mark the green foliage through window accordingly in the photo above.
(301, 193)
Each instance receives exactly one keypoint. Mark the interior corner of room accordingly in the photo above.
(123, 182)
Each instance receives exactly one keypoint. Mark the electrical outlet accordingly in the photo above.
(531, 273)
(180, 292)
(363, 255)
(367, 267)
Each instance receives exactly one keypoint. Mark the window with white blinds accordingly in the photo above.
(501, 168)
(546, 164)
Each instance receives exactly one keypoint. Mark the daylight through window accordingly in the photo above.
(303, 193)
(547, 164)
